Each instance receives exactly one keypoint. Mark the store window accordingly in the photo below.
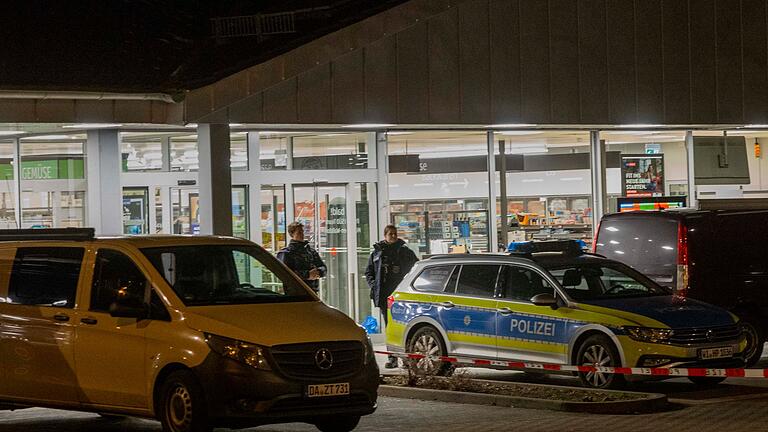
(273, 217)
(142, 154)
(238, 147)
(438, 188)
(273, 151)
(183, 153)
(185, 211)
(53, 185)
(7, 195)
(331, 151)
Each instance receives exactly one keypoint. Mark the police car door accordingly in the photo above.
(526, 331)
(469, 315)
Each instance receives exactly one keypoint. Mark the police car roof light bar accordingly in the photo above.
(568, 247)
(77, 234)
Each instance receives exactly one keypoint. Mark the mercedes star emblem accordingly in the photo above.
(710, 335)
(324, 359)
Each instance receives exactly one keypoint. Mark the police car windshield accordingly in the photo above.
(595, 281)
(216, 275)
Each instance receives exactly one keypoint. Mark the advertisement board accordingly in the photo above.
(642, 175)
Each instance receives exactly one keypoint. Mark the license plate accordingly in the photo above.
(715, 353)
(321, 390)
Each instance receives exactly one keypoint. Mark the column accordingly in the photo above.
(382, 182)
(597, 170)
(254, 186)
(214, 179)
(105, 195)
(691, 172)
(493, 237)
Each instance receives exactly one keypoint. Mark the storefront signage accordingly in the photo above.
(46, 169)
(642, 175)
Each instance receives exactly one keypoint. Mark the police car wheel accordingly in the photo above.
(428, 342)
(599, 351)
(706, 381)
(755, 341)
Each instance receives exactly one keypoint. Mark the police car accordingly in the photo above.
(552, 303)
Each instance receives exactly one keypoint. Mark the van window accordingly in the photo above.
(219, 274)
(520, 283)
(433, 278)
(478, 280)
(115, 275)
(45, 276)
(648, 244)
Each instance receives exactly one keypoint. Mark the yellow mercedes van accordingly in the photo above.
(199, 332)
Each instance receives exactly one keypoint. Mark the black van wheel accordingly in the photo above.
(598, 350)
(755, 340)
(706, 381)
(182, 406)
(338, 424)
(428, 342)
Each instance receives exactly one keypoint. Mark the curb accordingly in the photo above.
(646, 403)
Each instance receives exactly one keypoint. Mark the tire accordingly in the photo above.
(338, 424)
(755, 340)
(706, 381)
(427, 341)
(181, 406)
(599, 350)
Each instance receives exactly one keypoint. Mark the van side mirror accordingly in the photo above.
(129, 308)
(545, 299)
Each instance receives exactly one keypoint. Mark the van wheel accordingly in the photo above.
(755, 340)
(706, 381)
(338, 424)
(598, 350)
(182, 405)
(428, 342)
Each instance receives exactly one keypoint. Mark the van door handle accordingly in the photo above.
(447, 304)
(89, 321)
(61, 317)
(504, 311)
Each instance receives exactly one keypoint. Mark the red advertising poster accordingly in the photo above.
(642, 175)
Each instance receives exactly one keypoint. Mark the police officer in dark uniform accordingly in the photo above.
(300, 257)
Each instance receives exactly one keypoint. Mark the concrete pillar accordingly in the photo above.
(105, 194)
(254, 186)
(493, 237)
(691, 172)
(597, 170)
(214, 179)
(382, 170)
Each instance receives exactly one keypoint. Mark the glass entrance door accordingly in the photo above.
(322, 209)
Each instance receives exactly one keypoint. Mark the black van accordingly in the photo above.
(717, 256)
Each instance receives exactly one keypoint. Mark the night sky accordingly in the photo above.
(148, 45)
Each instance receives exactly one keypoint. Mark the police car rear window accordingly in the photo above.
(433, 278)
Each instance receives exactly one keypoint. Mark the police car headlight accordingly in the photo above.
(243, 352)
(649, 334)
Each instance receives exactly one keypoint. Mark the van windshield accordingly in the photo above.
(605, 281)
(221, 274)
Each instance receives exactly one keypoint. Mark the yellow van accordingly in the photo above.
(199, 332)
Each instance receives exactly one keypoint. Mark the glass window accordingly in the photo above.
(596, 282)
(240, 211)
(521, 284)
(183, 153)
(7, 201)
(330, 151)
(273, 149)
(215, 275)
(238, 152)
(478, 280)
(135, 211)
(272, 217)
(145, 154)
(116, 276)
(433, 278)
(45, 276)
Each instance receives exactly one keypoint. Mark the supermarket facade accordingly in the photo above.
(403, 118)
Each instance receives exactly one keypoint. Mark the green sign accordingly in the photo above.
(52, 169)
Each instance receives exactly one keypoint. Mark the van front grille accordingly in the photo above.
(692, 336)
(301, 360)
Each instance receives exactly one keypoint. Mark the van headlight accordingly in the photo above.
(368, 353)
(251, 354)
(649, 334)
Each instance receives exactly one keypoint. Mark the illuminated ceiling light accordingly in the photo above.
(511, 125)
(5, 133)
(50, 137)
(91, 125)
(399, 133)
(756, 126)
(639, 125)
(235, 124)
(191, 125)
(368, 125)
(506, 132)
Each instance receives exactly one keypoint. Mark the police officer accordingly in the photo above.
(389, 262)
(300, 257)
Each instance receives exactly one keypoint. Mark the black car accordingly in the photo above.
(717, 256)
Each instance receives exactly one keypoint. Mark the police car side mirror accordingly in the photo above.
(545, 299)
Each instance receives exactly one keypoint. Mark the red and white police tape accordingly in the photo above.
(682, 372)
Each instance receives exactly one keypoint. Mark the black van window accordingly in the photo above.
(115, 276)
(433, 278)
(648, 244)
(45, 276)
(521, 284)
(478, 280)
